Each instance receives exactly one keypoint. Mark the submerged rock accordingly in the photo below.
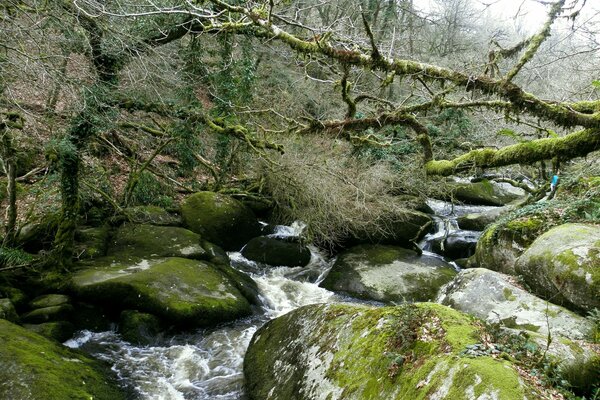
(184, 292)
(494, 297)
(563, 265)
(358, 352)
(34, 367)
(388, 274)
(276, 252)
(220, 219)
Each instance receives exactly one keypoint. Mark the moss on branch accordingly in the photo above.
(577, 144)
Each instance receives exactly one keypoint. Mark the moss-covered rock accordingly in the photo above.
(39, 233)
(563, 265)
(92, 242)
(153, 215)
(91, 317)
(34, 367)
(276, 252)
(358, 352)
(49, 300)
(486, 193)
(400, 227)
(139, 328)
(184, 292)
(502, 243)
(220, 219)
(388, 274)
(7, 310)
(494, 297)
(480, 221)
(47, 314)
(156, 241)
(57, 330)
(16, 296)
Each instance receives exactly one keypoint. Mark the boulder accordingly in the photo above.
(156, 241)
(495, 298)
(47, 314)
(34, 367)
(563, 266)
(92, 242)
(49, 300)
(139, 328)
(486, 193)
(59, 331)
(7, 310)
(388, 274)
(184, 292)
(502, 243)
(152, 215)
(17, 297)
(397, 227)
(457, 244)
(220, 219)
(276, 252)
(479, 221)
(356, 352)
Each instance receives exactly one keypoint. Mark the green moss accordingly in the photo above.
(37, 368)
(508, 294)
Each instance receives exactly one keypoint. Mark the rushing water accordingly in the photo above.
(207, 364)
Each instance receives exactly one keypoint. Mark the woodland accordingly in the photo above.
(341, 114)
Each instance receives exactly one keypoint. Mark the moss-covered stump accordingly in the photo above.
(7, 310)
(184, 292)
(276, 252)
(59, 331)
(357, 352)
(563, 265)
(152, 215)
(220, 219)
(92, 242)
(139, 328)
(156, 241)
(495, 298)
(400, 227)
(37, 368)
(486, 193)
(388, 274)
(480, 221)
(503, 242)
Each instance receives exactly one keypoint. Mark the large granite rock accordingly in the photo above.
(276, 252)
(358, 352)
(184, 292)
(480, 221)
(220, 219)
(400, 227)
(388, 274)
(486, 193)
(563, 266)
(34, 367)
(495, 298)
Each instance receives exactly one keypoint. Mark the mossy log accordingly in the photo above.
(577, 144)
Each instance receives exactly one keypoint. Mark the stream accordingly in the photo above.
(207, 364)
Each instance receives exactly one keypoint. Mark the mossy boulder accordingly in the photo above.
(92, 242)
(220, 219)
(276, 252)
(480, 221)
(503, 242)
(563, 265)
(7, 310)
(17, 297)
(156, 241)
(153, 215)
(486, 193)
(358, 352)
(40, 232)
(47, 314)
(396, 227)
(34, 367)
(49, 300)
(59, 331)
(495, 298)
(388, 274)
(184, 292)
(139, 328)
